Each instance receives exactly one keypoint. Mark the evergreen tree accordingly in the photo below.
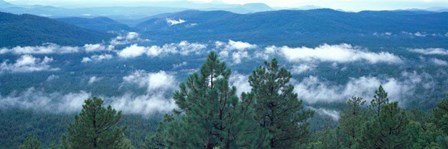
(379, 99)
(96, 128)
(421, 135)
(156, 139)
(31, 142)
(351, 122)
(210, 113)
(388, 130)
(278, 109)
(441, 116)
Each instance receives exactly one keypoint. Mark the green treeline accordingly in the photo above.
(211, 115)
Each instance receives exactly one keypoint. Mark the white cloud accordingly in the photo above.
(52, 77)
(236, 50)
(159, 86)
(342, 53)
(94, 79)
(97, 58)
(131, 37)
(143, 104)
(40, 100)
(302, 68)
(72, 102)
(132, 51)
(312, 89)
(241, 82)
(158, 81)
(182, 48)
(94, 47)
(333, 114)
(430, 51)
(44, 49)
(439, 62)
(175, 66)
(172, 22)
(27, 63)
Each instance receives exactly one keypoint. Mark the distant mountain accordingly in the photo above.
(127, 13)
(300, 27)
(256, 7)
(34, 30)
(3, 3)
(103, 24)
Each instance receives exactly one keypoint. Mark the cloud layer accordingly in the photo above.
(159, 85)
(342, 53)
(27, 63)
(430, 51)
(312, 89)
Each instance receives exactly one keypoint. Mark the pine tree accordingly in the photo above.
(96, 128)
(441, 116)
(210, 113)
(278, 109)
(31, 142)
(388, 130)
(379, 99)
(156, 139)
(351, 122)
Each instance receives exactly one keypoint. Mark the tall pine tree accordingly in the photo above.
(96, 128)
(379, 99)
(210, 113)
(388, 130)
(351, 122)
(278, 109)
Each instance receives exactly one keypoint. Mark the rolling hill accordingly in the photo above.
(102, 24)
(303, 27)
(34, 30)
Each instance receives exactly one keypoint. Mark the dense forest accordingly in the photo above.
(210, 114)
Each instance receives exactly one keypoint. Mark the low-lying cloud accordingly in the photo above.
(39, 100)
(159, 81)
(172, 22)
(241, 82)
(313, 89)
(97, 58)
(159, 85)
(236, 50)
(27, 63)
(342, 53)
(430, 51)
(48, 48)
(182, 48)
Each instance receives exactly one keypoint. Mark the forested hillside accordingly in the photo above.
(210, 114)
(303, 27)
(29, 30)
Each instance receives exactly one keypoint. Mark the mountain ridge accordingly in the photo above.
(27, 30)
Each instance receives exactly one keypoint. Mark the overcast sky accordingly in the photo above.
(335, 4)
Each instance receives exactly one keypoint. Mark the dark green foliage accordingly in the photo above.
(379, 99)
(210, 113)
(388, 130)
(278, 109)
(96, 127)
(17, 124)
(155, 140)
(441, 115)
(31, 142)
(323, 139)
(351, 123)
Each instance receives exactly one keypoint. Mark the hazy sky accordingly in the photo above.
(335, 4)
